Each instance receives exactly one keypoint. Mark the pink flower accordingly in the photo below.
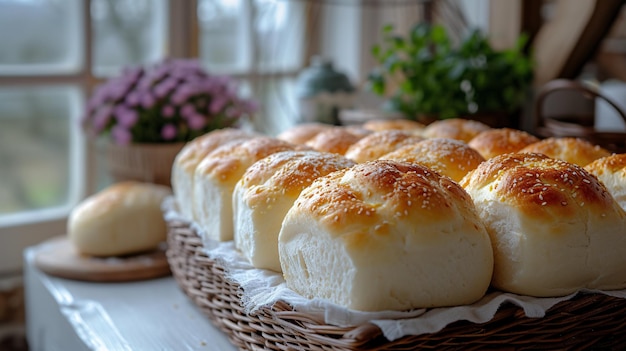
(147, 100)
(187, 110)
(168, 111)
(132, 99)
(101, 119)
(218, 103)
(126, 117)
(121, 135)
(168, 132)
(173, 89)
(196, 121)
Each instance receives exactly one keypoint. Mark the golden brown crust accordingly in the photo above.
(374, 193)
(290, 172)
(380, 143)
(301, 133)
(378, 125)
(539, 186)
(228, 163)
(494, 142)
(336, 140)
(191, 154)
(449, 157)
(573, 150)
(615, 163)
(455, 128)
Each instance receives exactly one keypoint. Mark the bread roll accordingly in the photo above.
(336, 140)
(385, 235)
(494, 142)
(573, 150)
(455, 128)
(301, 133)
(611, 171)
(188, 159)
(215, 179)
(378, 144)
(122, 219)
(452, 158)
(265, 193)
(378, 125)
(555, 229)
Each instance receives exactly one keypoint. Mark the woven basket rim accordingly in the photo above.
(585, 320)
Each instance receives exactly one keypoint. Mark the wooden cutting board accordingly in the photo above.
(59, 258)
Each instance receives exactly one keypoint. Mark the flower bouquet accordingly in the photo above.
(147, 114)
(171, 101)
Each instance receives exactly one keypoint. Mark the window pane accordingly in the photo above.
(127, 32)
(278, 109)
(40, 36)
(39, 148)
(279, 34)
(224, 27)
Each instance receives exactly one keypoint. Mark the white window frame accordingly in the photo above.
(182, 36)
(31, 227)
(27, 228)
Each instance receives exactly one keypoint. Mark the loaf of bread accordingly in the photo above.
(188, 159)
(449, 157)
(267, 191)
(385, 235)
(611, 171)
(573, 150)
(215, 179)
(555, 228)
(455, 128)
(378, 125)
(494, 142)
(377, 144)
(301, 133)
(122, 219)
(336, 140)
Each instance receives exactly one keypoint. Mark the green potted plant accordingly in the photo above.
(425, 77)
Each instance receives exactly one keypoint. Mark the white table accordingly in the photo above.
(147, 315)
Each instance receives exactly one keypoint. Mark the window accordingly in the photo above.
(55, 52)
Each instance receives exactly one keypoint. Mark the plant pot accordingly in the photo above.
(150, 163)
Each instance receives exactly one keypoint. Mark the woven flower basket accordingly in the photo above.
(151, 163)
(586, 322)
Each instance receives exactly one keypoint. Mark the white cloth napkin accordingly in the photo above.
(264, 288)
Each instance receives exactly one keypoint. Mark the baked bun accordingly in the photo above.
(123, 219)
(215, 179)
(301, 133)
(494, 142)
(385, 235)
(377, 144)
(455, 128)
(378, 125)
(573, 150)
(188, 159)
(611, 171)
(555, 229)
(265, 193)
(336, 140)
(452, 158)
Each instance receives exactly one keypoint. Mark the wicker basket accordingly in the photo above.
(578, 127)
(586, 322)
